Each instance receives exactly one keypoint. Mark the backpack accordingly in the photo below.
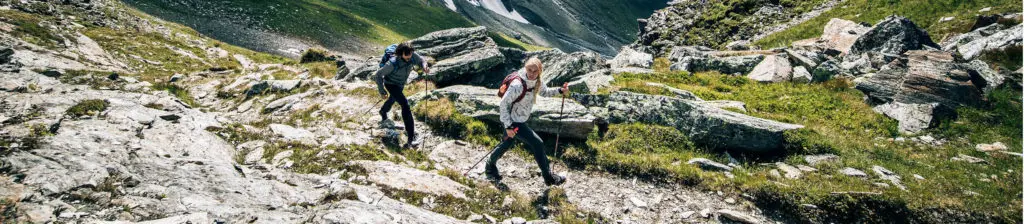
(388, 53)
(505, 83)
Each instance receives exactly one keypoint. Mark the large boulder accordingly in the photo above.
(460, 53)
(704, 124)
(993, 38)
(840, 34)
(562, 68)
(893, 35)
(591, 82)
(735, 65)
(772, 69)
(628, 57)
(926, 81)
(482, 103)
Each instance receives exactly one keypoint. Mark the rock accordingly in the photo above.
(853, 172)
(825, 71)
(799, 59)
(5, 54)
(919, 177)
(998, 146)
(52, 73)
(801, 75)
(726, 104)
(790, 171)
(638, 202)
(286, 103)
(772, 69)
(472, 63)
(914, 118)
(886, 174)
(806, 168)
(292, 134)
(707, 164)
(725, 65)
(628, 57)
(687, 214)
(893, 35)
(840, 34)
(705, 125)
(730, 201)
(481, 103)
(931, 77)
(272, 86)
(740, 45)
(35, 213)
(399, 177)
(170, 117)
(176, 77)
(987, 79)
(969, 159)
(592, 82)
(993, 38)
(517, 220)
(681, 94)
(737, 216)
(459, 52)
(561, 68)
(359, 71)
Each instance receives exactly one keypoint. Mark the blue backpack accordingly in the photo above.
(388, 53)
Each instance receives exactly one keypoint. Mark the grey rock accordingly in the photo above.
(5, 54)
(893, 35)
(561, 68)
(801, 75)
(791, 172)
(738, 216)
(517, 220)
(993, 38)
(286, 103)
(886, 174)
(969, 159)
(853, 172)
(472, 63)
(592, 82)
(682, 94)
(265, 86)
(725, 65)
(825, 71)
(360, 71)
(740, 45)
(987, 79)
(707, 164)
(292, 134)
(482, 103)
(773, 68)
(400, 177)
(705, 125)
(800, 58)
(997, 146)
(628, 57)
(815, 160)
(914, 118)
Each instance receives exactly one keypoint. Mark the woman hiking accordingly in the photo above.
(515, 108)
(394, 73)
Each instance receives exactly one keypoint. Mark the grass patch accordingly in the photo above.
(484, 200)
(177, 91)
(419, 87)
(505, 41)
(314, 55)
(87, 107)
(324, 70)
(442, 116)
(31, 28)
(837, 121)
(924, 13)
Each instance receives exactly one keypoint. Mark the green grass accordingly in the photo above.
(837, 121)
(723, 19)
(179, 92)
(87, 107)
(924, 13)
(506, 41)
(442, 116)
(28, 28)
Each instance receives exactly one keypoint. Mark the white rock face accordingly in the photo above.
(399, 177)
(772, 69)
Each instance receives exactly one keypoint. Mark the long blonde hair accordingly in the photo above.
(535, 63)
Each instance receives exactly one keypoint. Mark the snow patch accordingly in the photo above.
(451, 5)
(496, 7)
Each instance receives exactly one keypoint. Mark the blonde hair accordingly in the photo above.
(535, 63)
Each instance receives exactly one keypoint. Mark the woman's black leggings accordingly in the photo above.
(533, 144)
(396, 95)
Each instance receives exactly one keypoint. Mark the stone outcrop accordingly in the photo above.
(893, 35)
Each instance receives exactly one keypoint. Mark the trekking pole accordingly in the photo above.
(561, 116)
(516, 130)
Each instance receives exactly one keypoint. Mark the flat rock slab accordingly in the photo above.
(400, 177)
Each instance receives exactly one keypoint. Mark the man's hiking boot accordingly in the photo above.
(555, 180)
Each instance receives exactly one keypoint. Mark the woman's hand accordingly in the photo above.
(511, 133)
(565, 89)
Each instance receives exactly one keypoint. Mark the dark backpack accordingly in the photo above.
(505, 83)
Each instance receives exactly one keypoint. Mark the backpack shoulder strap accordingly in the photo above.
(521, 93)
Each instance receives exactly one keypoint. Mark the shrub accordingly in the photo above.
(442, 116)
(314, 55)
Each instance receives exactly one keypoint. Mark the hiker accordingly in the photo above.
(392, 76)
(516, 106)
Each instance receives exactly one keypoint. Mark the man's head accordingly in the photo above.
(534, 68)
(404, 51)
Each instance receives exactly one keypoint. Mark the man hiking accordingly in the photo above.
(393, 77)
(516, 106)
